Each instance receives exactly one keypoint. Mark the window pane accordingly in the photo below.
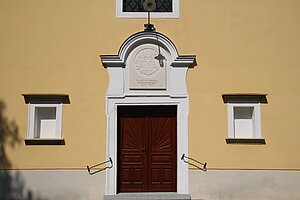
(243, 112)
(45, 122)
(137, 5)
(243, 122)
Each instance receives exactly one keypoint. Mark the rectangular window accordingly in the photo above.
(45, 118)
(134, 9)
(137, 6)
(46, 121)
(243, 122)
(244, 119)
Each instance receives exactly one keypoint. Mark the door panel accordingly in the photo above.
(132, 158)
(147, 148)
(162, 155)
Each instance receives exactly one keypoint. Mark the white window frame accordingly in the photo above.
(31, 119)
(256, 118)
(121, 14)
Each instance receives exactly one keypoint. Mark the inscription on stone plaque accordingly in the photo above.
(147, 67)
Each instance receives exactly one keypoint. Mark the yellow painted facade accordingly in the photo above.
(248, 46)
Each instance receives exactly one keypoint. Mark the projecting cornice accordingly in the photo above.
(46, 98)
(244, 98)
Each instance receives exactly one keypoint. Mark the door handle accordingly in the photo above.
(143, 149)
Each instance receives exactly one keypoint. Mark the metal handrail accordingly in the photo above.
(189, 158)
(94, 172)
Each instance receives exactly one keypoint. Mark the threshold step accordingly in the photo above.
(148, 196)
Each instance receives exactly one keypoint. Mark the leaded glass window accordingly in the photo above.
(137, 5)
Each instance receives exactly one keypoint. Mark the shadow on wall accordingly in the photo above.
(9, 135)
(12, 185)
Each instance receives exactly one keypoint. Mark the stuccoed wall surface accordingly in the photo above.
(210, 185)
(51, 185)
(246, 46)
(244, 184)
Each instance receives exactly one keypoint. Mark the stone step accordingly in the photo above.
(148, 196)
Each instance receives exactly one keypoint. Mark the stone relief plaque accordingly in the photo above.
(147, 67)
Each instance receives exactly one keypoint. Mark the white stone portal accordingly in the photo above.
(147, 71)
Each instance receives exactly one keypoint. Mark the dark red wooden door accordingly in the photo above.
(147, 148)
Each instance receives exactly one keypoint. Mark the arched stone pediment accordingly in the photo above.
(147, 63)
(135, 40)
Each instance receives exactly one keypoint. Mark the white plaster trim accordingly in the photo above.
(257, 118)
(119, 94)
(121, 14)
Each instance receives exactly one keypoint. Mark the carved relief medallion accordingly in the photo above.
(145, 62)
(147, 67)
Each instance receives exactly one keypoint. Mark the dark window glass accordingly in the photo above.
(137, 5)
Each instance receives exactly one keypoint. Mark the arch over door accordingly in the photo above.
(147, 148)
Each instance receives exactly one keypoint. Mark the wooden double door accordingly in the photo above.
(147, 149)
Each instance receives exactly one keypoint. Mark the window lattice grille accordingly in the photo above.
(137, 5)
